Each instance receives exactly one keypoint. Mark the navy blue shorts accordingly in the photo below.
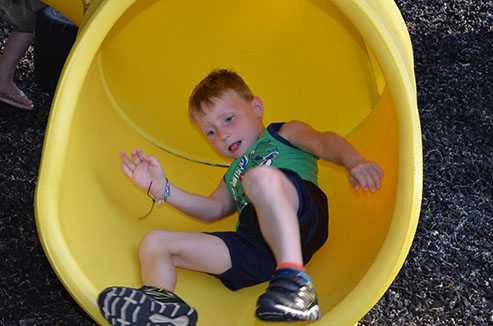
(252, 259)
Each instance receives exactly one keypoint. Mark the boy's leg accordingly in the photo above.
(290, 295)
(276, 202)
(160, 253)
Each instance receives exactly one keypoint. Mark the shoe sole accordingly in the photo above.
(130, 307)
(282, 313)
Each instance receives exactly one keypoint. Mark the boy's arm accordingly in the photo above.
(332, 147)
(143, 169)
(217, 205)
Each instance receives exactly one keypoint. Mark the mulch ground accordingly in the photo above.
(447, 278)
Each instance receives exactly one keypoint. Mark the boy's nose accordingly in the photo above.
(224, 134)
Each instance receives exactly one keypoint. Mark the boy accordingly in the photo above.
(283, 215)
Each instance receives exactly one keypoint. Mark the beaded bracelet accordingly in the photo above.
(166, 194)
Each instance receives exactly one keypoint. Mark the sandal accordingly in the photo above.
(19, 100)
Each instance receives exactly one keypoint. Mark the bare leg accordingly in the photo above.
(15, 49)
(290, 295)
(161, 252)
(276, 202)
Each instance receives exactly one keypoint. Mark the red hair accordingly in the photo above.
(213, 86)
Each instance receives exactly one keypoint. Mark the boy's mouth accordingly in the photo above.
(234, 146)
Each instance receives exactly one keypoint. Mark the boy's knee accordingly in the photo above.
(151, 243)
(262, 178)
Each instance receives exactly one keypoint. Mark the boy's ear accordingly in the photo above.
(258, 106)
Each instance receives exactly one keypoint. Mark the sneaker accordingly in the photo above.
(147, 306)
(289, 297)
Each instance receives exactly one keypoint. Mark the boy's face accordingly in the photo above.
(232, 125)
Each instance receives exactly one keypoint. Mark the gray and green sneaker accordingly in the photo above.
(290, 296)
(147, 306)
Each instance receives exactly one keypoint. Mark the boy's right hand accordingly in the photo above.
(143, 169)
(366, 175)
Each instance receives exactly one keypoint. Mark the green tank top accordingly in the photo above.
(271, 149)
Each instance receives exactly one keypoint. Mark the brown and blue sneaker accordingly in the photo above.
(147, 306)
(290, 296)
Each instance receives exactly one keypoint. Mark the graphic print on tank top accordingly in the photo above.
(263, 154)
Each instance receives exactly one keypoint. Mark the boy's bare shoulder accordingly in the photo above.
(291, 129)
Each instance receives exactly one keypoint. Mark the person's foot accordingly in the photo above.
(13, 96)
(147, 306)
(289, 297)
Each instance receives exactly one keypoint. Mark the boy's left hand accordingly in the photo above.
(366, 175)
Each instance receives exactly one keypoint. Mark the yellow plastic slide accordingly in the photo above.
(342, 65)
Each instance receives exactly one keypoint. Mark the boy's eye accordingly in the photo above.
(229, 119)
(211, 132)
